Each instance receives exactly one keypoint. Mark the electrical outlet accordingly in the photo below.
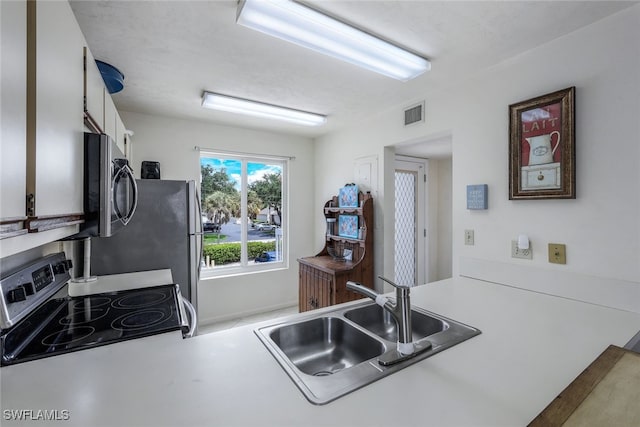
(516, 252)
(557, 253)
(468, 237)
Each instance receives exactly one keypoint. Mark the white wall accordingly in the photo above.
(601, 228)
(171, 142)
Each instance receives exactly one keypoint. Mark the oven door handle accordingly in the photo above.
(193, 324)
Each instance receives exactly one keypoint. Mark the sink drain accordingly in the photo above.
(322, 374)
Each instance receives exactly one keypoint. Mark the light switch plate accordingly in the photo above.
(468, 237)
(557, 253)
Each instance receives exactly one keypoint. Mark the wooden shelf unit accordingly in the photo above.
(323, 279)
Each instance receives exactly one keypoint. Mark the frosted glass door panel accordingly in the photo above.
(405, 227)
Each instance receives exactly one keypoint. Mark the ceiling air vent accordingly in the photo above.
(414, 114)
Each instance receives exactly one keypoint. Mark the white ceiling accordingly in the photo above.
(171, 51)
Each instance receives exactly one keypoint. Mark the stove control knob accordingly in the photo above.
(28, 288)
(17, 294)
(60, 268)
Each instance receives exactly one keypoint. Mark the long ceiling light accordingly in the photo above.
(306, 27)
(259, 109)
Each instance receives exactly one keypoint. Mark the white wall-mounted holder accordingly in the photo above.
(521, 248)
(523, 241)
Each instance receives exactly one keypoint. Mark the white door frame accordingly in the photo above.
(418, 166)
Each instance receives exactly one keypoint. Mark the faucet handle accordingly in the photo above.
(395, 285)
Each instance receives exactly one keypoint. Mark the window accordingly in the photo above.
(244, 213)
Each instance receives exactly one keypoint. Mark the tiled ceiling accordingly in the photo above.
(170, 51)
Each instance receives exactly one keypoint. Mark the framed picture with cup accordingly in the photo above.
(542, 147)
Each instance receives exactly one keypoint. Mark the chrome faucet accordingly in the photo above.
(401, 313)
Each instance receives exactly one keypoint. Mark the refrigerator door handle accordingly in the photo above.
(193, 317)
(201, 234)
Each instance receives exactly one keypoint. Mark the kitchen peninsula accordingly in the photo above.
(531, 347)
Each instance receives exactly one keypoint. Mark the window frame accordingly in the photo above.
(245, 266)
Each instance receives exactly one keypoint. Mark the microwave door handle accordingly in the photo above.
(134, 190)
(128, 173)
(114, 190)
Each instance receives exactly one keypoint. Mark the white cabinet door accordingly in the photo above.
(110, 114)
(113, 125)
(120, 134)
(13, 108)
(55, 149)
(93, 91)
(128, 145)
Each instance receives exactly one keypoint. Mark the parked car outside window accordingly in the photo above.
(207, 225)
(265, 227)
(266, 256)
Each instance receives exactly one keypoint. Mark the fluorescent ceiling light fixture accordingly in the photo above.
(309, 28)
(259, 109)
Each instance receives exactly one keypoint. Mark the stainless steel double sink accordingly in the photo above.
(332, 353)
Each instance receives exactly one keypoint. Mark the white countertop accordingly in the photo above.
(531, 347)
(120, 282)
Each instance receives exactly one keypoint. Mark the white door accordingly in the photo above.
(410, 257)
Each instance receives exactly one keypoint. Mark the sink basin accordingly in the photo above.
(377, 320)
(325, 345)
(331, 352)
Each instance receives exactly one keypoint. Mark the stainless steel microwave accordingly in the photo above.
(110, 191)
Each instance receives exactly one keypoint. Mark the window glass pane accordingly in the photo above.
(221, 192)
(243, 214)
(264, 206)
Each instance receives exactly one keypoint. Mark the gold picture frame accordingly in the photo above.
(542, 147)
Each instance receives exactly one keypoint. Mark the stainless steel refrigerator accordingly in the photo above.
(165, 232)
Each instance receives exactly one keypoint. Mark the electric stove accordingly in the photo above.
(66, 324)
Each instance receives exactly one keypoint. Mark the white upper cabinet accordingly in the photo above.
(93, 91)
(55, 122)
(120, 134)
(13, 110)
(113, 125)
(110, 115)
(100, 110)
(49, 82)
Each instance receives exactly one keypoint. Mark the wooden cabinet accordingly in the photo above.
(13, 117)
(323, 278)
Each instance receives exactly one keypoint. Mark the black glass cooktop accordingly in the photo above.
(70, 324)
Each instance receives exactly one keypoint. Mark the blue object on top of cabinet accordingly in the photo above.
(113, 78)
